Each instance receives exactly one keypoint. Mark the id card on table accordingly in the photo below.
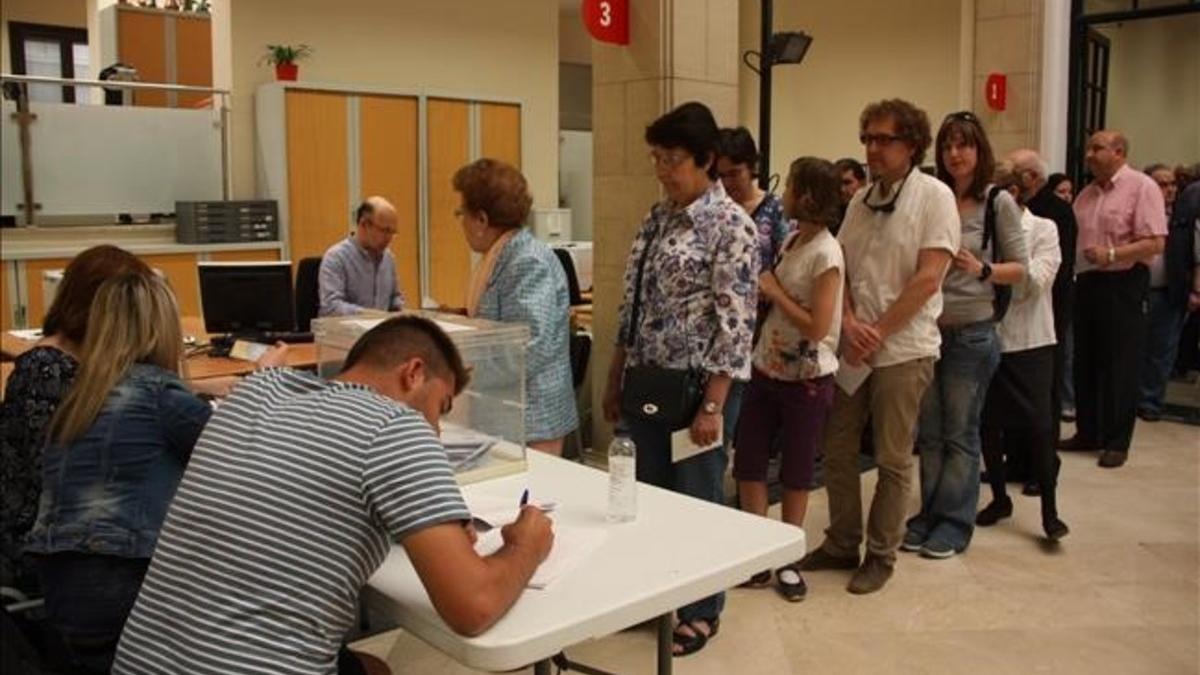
(248, 351)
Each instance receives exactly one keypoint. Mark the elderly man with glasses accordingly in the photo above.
(899, 236)
(359, 272)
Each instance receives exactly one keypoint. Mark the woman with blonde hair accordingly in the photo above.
(116, 450)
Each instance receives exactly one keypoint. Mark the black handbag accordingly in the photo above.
(666, 396)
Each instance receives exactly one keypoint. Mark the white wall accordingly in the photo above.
(862, 51)
(69, 13)
(1154, 88)
(503, 48)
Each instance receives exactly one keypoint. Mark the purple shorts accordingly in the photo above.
(786, 415)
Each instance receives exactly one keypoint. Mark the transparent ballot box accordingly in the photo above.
(484, 434)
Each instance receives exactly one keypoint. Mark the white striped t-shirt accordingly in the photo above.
(291, 499)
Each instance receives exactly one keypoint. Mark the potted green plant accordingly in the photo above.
(284, 58)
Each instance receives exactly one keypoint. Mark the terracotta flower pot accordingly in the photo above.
(286, 71)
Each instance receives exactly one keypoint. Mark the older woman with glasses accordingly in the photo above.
(519, 280)
(686, 325)
(993, 255)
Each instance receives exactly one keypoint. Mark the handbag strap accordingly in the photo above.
(635, 313)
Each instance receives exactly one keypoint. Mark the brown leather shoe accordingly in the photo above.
(1077, 444)
(821, 560)
(872, 576)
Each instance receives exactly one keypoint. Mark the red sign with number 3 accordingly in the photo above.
(607, 20)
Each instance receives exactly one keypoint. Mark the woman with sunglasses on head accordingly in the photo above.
(993, 253)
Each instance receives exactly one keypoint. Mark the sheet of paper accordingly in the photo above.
(682, 446)
(248, 351)
(452, 327)
(849, 378)
(572, 545)
(29, 334)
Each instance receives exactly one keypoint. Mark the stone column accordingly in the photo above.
(1008, 40)
(678, 51)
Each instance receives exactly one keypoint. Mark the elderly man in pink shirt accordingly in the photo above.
(1122, 226)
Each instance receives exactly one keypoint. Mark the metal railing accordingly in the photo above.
(25, 118)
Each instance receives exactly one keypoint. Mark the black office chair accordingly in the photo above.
(308, 293)
(580, 347)
(572, 279)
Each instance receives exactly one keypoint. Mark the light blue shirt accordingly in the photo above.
(352, 280)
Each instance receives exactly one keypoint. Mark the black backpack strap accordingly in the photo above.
(1001, 294)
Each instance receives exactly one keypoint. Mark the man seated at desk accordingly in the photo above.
(359, 272)
(293, 495)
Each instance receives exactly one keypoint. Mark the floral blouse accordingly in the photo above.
(700, 287)
(38, 383)
(772, 228)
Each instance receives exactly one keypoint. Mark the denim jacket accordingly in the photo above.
(107, 492)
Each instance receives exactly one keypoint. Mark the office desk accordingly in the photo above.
(199, 367)
(678, 550)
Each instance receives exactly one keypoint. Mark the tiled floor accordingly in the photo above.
(1120, 595)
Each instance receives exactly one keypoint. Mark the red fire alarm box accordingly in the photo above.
(996, 91)
(607, 20)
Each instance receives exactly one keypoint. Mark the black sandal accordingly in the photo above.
(690, 644)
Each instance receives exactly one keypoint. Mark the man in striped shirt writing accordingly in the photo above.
(294, 493)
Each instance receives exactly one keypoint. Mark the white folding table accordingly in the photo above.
(678, 550)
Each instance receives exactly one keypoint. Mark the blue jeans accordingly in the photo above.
(948, 435)
(1164, 323)
(701, 476)
(1068, 378)
(88, 598)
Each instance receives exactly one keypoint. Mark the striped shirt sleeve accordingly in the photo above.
(408, 484)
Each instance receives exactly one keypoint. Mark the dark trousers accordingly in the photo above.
(701, 476)
(1110, 329)
(1018, 409)
(88, 598)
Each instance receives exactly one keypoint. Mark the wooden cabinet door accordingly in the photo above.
(142, 43)
(500, 132)
(193, 58)
(448, 146)
(319, 204)
(387, 154)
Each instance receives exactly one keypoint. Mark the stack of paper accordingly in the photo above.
(572, 545)
(465, 447)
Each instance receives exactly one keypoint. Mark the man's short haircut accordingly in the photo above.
(1158, 167)
(912, 124)
(364, 211)
(408, 336)
(853, 166)
(737, 146)
(1026, 160)
(690, 127)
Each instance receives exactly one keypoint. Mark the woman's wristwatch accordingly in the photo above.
(711, 408)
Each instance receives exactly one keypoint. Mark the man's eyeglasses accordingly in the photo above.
(878, 139)
(890, 205)
(387, 231)
(668, 160)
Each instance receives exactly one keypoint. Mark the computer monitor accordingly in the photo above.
(247, 298)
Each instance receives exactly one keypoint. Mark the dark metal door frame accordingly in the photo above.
(1078, 81)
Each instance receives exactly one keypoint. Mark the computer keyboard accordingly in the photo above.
(290, 337)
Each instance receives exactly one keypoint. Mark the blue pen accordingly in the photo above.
(525, 497)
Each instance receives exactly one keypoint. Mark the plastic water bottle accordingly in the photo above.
(622, 480)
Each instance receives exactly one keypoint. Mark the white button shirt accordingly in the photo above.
(1029, 323)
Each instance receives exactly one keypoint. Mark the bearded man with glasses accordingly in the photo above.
(899, 236)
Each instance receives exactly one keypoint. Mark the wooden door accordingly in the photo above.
(142, 43)
(7, 274)
(448, 146)
(319, 205)
(180, 271)
(500, 132)
(35, 307)
(388, 143)
(193, 58)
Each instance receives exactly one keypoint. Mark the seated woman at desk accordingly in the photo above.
(116, 449)
(39, 381)
(520, 280)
